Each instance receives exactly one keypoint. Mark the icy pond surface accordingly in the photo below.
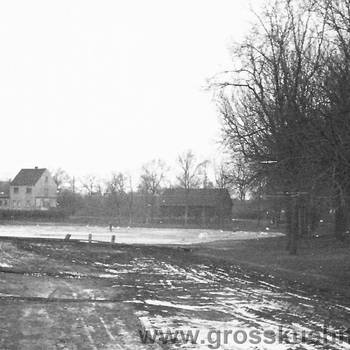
(128, 235)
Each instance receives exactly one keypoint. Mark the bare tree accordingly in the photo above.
(190, 170)
(130, 199)
(189, 175)
(90, 184)
(235, 175)
(152, 178)
(204, 177)
(335, 107)
(116, 191)
(61, 178)
(269, 102)
(117, 183)
(222, 179)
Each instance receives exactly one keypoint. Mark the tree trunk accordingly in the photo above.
(313, 216)
(293, 226)
(288, 221)
(118, 214)
(259, 211)
(203, 219)
(340, 219)
(186, 214)
(186, 207)
(303, 217)
(152, 208)
(131, 210)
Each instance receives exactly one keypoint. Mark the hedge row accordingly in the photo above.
(9, 214)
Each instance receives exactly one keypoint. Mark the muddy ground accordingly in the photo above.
(56, 295)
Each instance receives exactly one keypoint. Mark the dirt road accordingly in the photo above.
(75, 296)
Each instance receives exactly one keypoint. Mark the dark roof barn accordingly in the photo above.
(27, 177)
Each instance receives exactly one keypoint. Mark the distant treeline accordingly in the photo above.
(123, 209)
(137, 209)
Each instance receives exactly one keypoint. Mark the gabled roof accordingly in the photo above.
(209, 197)
(27, 177)
(4, 189)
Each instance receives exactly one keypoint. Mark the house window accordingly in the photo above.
(15, 190)
(28, 203)
(29, 190)
(46, 192)
(46, 179)
(0, 203)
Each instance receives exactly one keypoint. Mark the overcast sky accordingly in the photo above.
(101, 86)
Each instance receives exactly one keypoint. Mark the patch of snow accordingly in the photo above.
(269, 285)
(176, 306)
(298, 296)
(5, 265)
(343, 307)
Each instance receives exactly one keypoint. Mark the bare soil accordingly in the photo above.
(72, 295)
(321, 265)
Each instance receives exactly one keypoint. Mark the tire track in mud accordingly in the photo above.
(174, 290)
(173, 295)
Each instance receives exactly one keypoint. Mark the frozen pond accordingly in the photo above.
(129, 235)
